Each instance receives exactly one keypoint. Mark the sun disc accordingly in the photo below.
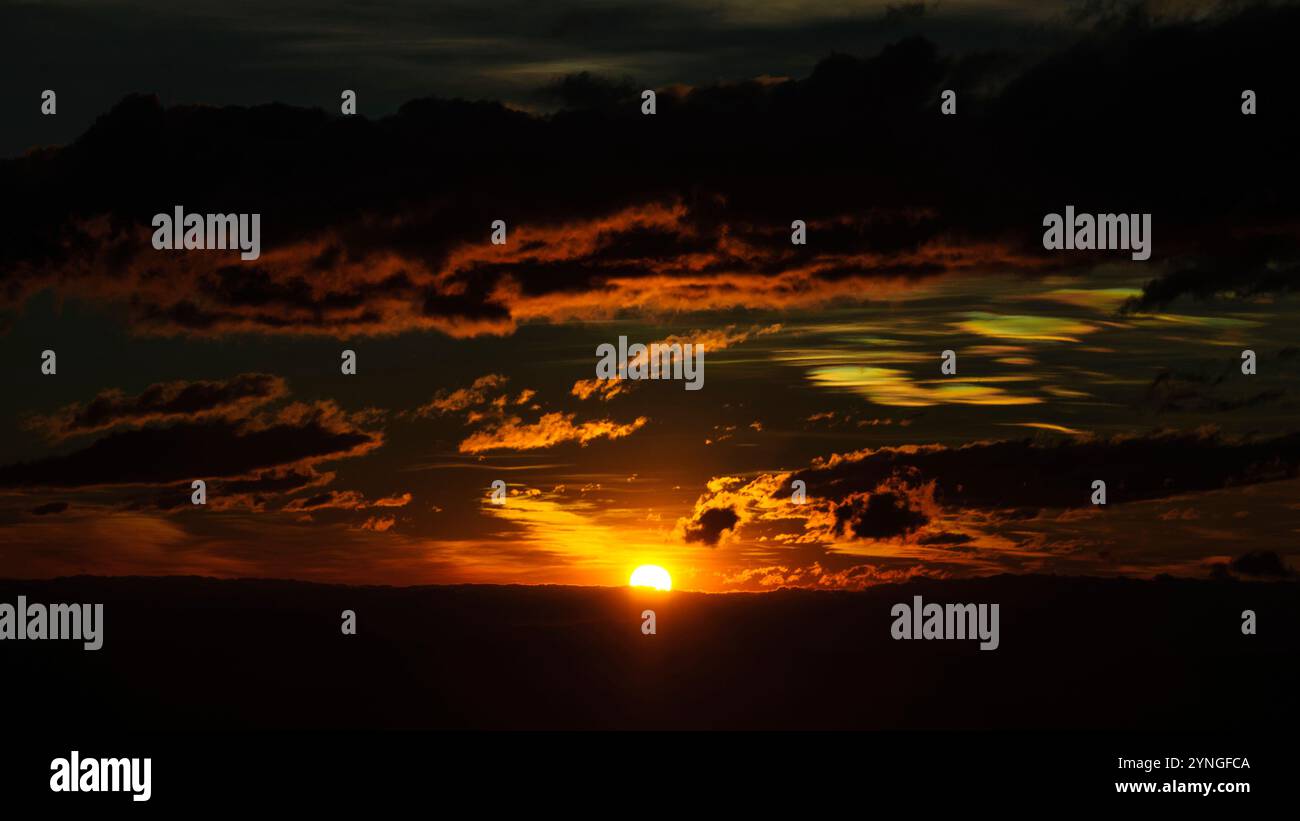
(651, 575)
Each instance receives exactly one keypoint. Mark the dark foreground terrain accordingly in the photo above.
(199, 654)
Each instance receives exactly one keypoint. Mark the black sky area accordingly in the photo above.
(305, 53)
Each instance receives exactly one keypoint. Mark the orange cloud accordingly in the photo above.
(714, 340)
(379, 524)
(603, 389)
(552, 429)
(653, 257)
(465, 398)
(344, 500)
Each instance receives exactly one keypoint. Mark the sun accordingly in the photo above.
(651, 575)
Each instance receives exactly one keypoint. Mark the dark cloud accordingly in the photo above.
(276, 481)
(708, 527)
(160, 402)
(920, 493)
(302, 435)
(1178, 391)
(49, 509)
(1035, 474)
(1264, 563)
(880, 515)
(256, 491)
(591, 92)
(376, 226)
(1229, 278)
(944, 538)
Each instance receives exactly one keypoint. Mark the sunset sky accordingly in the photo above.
(476, 361)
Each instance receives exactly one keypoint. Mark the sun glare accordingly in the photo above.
(651, 575)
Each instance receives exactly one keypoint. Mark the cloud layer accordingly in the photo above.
(367, 230)
(918, 493)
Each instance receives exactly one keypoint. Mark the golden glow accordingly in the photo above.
(1044, 426)
(651, 575)
(892, 386)
(1026, 328)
